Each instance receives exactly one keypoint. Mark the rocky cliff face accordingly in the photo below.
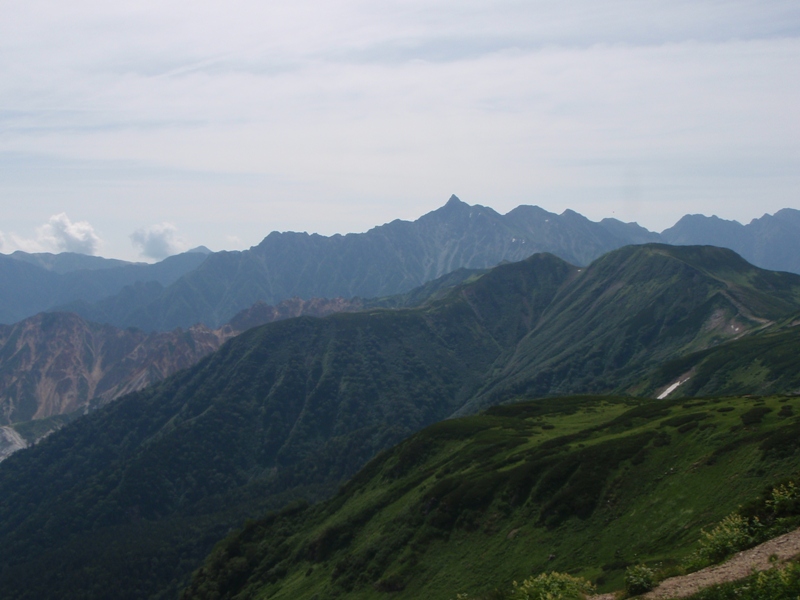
(10, 442)
(56, 363)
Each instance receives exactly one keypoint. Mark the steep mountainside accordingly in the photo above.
(759, 364)
(387, 260)
(56, 363)
(295, 407)
(634, 309)
(32, 283)
(771, 242)
(585, 485)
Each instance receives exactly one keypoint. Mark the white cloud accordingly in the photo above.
(157, 241)
(62, 235)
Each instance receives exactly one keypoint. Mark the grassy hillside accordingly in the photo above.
(286, 410)
(294, 408)
(586, 485)
(633, 310)
(762, 363)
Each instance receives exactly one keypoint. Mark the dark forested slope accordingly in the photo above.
(293, 408)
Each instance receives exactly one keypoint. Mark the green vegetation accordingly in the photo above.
(552, 586)
(473, 504)
(33, 431)
(762, 363)
(732, 534)
(773, 584)
(293, 409)
(639, 579)
(285, 411)
(775, 511)
(629, 324)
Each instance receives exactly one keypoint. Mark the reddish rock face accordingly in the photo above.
(56, 363)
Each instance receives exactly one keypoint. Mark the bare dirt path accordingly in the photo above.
(739, 566)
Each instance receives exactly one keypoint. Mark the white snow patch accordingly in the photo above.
(672, 388)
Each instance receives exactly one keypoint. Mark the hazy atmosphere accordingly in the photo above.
(137, 130)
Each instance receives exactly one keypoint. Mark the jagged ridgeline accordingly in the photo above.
(587, 485)
(386, 260)
(133, 496)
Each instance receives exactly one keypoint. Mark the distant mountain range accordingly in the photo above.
(32, 283)
(132, 496)
(771, 242)
(210, 288)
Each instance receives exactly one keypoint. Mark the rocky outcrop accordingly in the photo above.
(10, 442)
(56, 363)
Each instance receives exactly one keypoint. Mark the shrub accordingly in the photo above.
(552, 586)
(733, 533)
(773, 584)
(639, 579)
(784, 499)
(755, 415)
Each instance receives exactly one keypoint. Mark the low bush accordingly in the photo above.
(732, 534)
(639, 579)
(773, 584)
(552, 586)
(755, 415)
(545, 586)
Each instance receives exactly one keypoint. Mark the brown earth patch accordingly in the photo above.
(764, 556)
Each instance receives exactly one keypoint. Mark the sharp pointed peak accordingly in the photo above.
(455, 201)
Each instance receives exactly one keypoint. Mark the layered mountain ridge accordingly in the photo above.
(387, 260)
(293, 408)
(771, 241)
(32, 283)
(54, 364)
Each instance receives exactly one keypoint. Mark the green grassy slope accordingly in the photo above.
(586, 485)
(631, 311)
(760, 364)
(294, 408)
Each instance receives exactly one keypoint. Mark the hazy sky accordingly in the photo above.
(141, 128)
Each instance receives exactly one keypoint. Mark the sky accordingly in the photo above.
(139, 129)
